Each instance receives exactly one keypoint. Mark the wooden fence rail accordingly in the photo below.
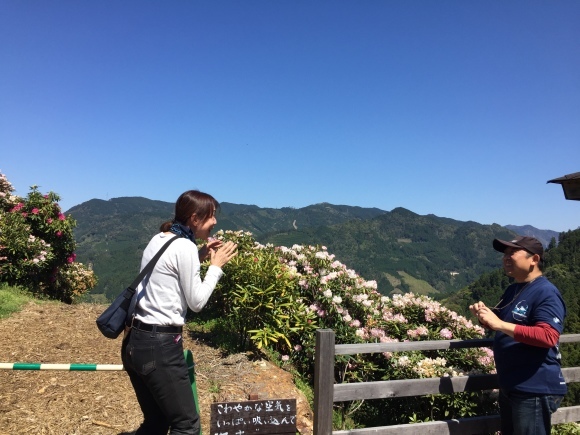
(326, 392)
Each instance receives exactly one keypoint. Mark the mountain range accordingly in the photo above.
(401, 250)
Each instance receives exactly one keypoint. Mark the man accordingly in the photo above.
(528, 321)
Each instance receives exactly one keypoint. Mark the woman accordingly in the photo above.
(152, 350)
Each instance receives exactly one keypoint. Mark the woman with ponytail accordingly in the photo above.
(152, 350)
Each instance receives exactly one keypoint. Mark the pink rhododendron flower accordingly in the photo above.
(446, 333)
(297, 348)
(17, 207)
(61, 217)
(421, 330)
(24, 214)
(35, 211)
(285, 357)
(375, 332)
(59, 234)
(49, 221)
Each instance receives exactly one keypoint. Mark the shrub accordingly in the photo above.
(37, 246)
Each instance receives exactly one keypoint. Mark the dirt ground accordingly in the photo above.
(67, 403)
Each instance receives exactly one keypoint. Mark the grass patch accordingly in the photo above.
(12, 299)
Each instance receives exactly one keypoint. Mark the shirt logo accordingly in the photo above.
(556, 320)
(520, 312)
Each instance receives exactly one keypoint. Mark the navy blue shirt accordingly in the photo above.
(522, 367)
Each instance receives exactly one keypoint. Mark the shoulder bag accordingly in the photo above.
(113, 320)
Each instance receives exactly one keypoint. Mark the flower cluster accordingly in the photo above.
(74, 279)
(6, 189)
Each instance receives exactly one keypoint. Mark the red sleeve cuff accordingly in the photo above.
(541, 335)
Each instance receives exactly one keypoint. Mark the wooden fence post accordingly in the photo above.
(323, 381)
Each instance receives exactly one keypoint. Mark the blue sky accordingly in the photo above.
(463, 109)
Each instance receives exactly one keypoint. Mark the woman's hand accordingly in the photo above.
(207, 248)
(219, 257)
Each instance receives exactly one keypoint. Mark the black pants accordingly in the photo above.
(158, 371)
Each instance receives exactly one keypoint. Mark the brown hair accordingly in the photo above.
(192, 202)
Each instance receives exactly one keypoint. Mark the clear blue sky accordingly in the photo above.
(463, 109)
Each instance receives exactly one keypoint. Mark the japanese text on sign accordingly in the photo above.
(275, 416)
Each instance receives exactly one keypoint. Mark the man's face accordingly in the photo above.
(518, 263)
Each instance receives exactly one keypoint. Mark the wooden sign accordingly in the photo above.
(268, 416)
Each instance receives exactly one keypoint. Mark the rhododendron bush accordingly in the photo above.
(277, 297)
(37, 245)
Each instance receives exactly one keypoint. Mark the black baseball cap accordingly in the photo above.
(530, 244)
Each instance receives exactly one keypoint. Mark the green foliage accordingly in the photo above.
(566, 429)
(37, 246)
(258, 298)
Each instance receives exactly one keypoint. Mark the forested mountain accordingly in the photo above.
(401, 250)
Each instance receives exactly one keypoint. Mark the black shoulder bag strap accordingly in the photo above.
(146, 270)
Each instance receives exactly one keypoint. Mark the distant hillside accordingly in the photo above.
(544, 236)
(401, 247)
(262, 221)
(401, 250)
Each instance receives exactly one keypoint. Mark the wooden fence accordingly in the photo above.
(326, 392)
